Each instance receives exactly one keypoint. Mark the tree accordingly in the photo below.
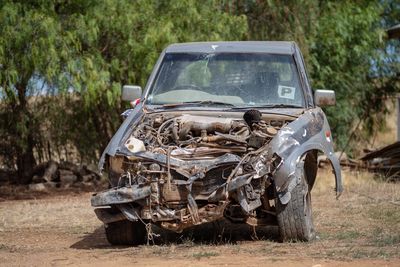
(82, 52)
(32, 46)
(120, 47)
(344, 48)
(348, 56)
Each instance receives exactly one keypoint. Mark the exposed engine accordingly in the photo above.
(188, 169)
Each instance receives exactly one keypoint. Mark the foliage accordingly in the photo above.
(343, 56)
(276, 20)
(32, 45)
(122, 48)
(82, 52)
(62, 63)
(345, 49)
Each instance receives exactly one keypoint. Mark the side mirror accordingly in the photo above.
(131, 92)
(324, 98)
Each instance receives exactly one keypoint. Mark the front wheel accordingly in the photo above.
(295, 218)
(126, 233)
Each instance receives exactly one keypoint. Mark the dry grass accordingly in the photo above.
(363, 224)
(204, 254)
(65, 214)
(388, 134)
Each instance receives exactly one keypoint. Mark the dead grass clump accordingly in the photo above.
(387, 215)
(204, 254)
(381, 238)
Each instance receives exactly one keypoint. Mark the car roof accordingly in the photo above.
(272, 47)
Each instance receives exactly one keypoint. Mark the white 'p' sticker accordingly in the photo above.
(286, 91)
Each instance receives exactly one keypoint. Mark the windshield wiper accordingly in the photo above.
(198, 103)
(269, 106)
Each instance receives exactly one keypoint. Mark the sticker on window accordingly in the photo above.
(286, 91)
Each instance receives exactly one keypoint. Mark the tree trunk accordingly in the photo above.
(25, 164)
(25, 158)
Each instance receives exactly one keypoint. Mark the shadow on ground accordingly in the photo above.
(216, 233)
(97, 239)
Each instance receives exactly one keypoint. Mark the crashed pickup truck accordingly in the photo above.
(222, 130)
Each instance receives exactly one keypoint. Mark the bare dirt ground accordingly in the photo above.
(362, 228)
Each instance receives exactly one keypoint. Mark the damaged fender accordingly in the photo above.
(114, 144)
(309, 132)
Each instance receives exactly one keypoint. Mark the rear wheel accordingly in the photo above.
(126, 233)
(295, 218)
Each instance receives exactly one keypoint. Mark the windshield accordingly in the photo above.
(239, 79)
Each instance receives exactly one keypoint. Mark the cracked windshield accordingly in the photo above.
(227, 79)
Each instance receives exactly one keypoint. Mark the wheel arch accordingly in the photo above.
(304, 158)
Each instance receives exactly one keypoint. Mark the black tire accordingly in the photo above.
(295, 219)
(126, 233)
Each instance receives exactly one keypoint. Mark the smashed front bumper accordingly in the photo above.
(197, 196)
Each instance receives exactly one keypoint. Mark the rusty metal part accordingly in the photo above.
(116, 164)
(120, 195)
(229, 186)
(221, 137)
(129, 212)
(248, 199)
(206, 164)
(385, 160)
(254, 221)
(208, 213)
(190, 123)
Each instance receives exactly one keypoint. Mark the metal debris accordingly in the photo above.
(385, 161)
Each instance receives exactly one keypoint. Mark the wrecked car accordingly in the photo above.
(222, 130)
